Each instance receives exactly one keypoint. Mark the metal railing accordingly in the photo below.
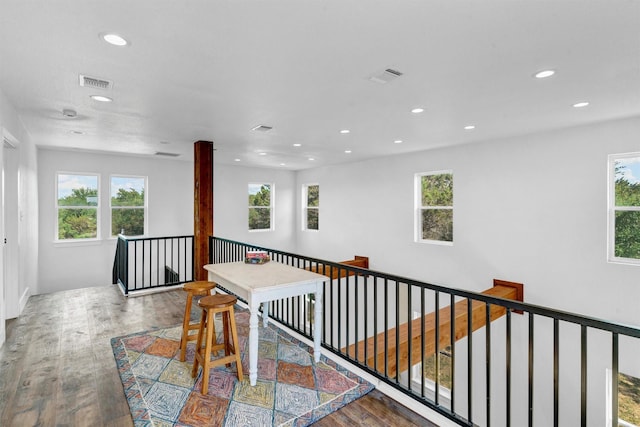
(540, 367)
(147, 263)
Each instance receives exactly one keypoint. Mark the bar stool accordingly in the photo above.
(211, 305)
(199, 288)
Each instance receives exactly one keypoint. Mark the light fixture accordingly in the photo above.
(397, 141)
(417, 110)
(283, 164)
(114, 39)
(297, 145)
(236, 160)
(345, 131)
(262, 153)
(101, 98)
(544, 74)
(470, 127)
(347, 151)
(581, 104)
(311, 159)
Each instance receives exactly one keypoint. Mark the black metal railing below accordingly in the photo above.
(147, 263)
(540, 367)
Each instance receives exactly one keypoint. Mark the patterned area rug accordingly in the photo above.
(292, 390)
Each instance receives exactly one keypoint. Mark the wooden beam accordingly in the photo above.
(357, 261)
(203, 206)
(500, 289)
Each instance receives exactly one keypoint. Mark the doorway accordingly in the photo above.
(10, 216)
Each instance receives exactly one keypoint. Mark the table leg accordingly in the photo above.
(317, 336)
(253, 344)
(265, 313)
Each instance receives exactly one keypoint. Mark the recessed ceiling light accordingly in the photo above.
(311, 158)
(470, 127)
(397, 141)
(581, 104)
(101, 98)
(236, 160)
(417, 110)
(347, 151)
(345, 131)
(297, 145)
(283, 164)
(263, 153)
(114, 39)
(544, 74)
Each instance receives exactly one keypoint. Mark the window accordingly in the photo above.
(434, 207)
(77, 206)
(128, 205)
(624, 208)
(260, 206)
(312, 207)
(628, 399)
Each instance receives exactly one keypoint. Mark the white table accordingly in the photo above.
(261, 283)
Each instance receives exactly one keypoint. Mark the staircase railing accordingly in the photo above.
(532, 366)
(148, 263)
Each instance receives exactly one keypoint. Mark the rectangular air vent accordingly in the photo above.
(163, 153)
(262, 128)
(94, 82)
(386, 76)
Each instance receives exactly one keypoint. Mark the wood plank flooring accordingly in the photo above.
(57, 366)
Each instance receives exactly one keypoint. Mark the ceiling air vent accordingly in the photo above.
(386, 76)
(262, 128)
(94, 82)
(165, 154)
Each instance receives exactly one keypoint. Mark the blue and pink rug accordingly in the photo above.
(292, 390)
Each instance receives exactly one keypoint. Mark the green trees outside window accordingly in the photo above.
(127, 205)
(77, 206)
(626, 208)
(313, 207)
(436, 207)
(260, 206)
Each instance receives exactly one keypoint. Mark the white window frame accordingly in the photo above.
(306, 207)
(419, 208)
(111, 208)
(58, 207)
(612, 209)
(271, 206)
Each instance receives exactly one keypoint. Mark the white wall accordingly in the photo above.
(530, 209)
(73, 265)
(231, 201)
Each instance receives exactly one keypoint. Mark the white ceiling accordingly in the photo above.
(212, 70)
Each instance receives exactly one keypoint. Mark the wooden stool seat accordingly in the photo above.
(218, 301)
(211, 305)
(199, 288)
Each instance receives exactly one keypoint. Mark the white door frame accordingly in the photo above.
(11, 226)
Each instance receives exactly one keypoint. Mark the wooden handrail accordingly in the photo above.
(334, 273)
(500, 289)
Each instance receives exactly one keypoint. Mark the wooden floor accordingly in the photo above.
(57, 366)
